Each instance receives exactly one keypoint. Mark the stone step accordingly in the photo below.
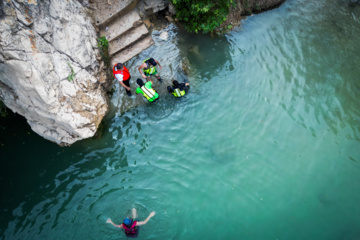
(121, 25)
(109, 10)
(132, 51)
(128, 39)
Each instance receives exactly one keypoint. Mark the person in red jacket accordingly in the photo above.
(130, 225)
(122, 74)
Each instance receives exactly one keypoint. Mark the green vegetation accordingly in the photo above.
(72, 74)
(202, 15)
(246, 6)
(3, 109)
(103, 45)
(257, 7)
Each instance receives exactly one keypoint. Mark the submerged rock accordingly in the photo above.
(164, 36)
(49, 67)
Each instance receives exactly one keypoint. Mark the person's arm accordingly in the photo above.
(170, 89)
(146, 220)
(123, 84)
(186, 86)
(182, 85)
(141, 67)
(112, 223)
(158, 63)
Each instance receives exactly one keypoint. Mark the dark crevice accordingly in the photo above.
(2, 12)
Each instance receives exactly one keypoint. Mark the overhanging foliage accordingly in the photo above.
(202, 15)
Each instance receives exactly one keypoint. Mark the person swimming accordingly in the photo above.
(130, 225)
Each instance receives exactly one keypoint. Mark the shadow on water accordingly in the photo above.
(205, 54)
(47, 174)
(349, 234)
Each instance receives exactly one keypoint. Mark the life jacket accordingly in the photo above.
(130, 230)
(178, 93)
(149, 94)
(125, 73)
(148, 70)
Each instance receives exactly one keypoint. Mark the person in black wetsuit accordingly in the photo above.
(178, 89)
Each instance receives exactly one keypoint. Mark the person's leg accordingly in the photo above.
(133, 213)
(148, 78)
(158, 77)
(140, 82)
(127, 83)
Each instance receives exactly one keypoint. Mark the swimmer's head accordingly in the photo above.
(127, 222)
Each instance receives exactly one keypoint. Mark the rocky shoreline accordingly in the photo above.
(50, 67)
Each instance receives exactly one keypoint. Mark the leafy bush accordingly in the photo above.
(103, 45)
(202, 15)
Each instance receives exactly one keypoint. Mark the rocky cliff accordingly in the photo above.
(49, 62)
(49, 67)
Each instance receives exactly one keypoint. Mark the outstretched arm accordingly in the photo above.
(184, 84)
(158, 64)
(112, 223)
(141, 72)
(146, 220)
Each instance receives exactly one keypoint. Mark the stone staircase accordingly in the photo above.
(120, 22)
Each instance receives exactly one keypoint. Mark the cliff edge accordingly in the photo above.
(49, 68)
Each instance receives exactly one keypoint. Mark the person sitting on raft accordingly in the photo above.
(178, 89)
(146, 90)
(130, 225)
(149, 68)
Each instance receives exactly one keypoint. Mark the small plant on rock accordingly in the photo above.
(103, 46)
(72, 74)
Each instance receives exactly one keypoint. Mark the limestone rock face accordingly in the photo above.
(49, 67)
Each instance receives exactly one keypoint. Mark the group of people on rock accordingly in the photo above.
(147, 69)
(122, 74)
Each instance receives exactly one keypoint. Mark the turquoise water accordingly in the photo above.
(266, 145)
